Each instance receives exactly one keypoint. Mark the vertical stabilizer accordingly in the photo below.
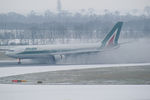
(112, 37)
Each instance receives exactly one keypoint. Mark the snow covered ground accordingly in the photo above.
(74, 92)
(70, 92)
(8, 71)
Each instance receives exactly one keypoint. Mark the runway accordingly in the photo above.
(14, 63)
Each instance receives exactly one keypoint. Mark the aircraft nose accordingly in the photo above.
(10, 53)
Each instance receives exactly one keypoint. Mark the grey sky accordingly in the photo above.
(25, 6)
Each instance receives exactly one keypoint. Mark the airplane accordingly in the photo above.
(53, 52)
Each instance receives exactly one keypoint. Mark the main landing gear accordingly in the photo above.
(19, 61)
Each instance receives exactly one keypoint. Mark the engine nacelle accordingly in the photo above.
(59, 57)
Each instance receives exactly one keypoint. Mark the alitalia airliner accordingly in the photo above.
(52, 52)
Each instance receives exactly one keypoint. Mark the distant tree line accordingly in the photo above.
(43, 29)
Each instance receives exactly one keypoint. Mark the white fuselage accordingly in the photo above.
(40, 51)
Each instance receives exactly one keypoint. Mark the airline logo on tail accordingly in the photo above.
(112, 37)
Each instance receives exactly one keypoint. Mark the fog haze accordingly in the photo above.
(25, 6)
(58, 25)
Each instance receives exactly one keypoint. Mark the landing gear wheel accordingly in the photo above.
(19, 61)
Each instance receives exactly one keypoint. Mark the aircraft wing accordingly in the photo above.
(78, 52)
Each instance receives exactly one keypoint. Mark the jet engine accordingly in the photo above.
(59, 57)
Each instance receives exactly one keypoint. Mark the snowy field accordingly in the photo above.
(8, 71)
(69, 92)
(74, 92)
